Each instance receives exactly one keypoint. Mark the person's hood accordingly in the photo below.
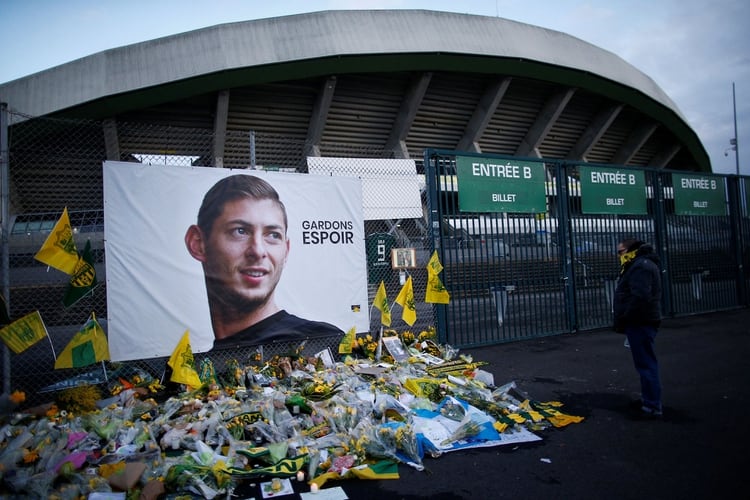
(648, 252)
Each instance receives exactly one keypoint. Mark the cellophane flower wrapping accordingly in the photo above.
(202, 442)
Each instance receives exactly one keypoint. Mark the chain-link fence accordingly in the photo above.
(530, 275)
(57, 163)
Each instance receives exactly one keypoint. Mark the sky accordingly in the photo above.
(695, 50)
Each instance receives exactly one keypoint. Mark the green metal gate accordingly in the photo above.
(507, 273)
(518, 275)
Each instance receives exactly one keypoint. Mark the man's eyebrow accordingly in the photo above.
(243, 222)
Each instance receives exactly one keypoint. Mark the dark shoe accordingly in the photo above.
(635, 405)
(646, 413)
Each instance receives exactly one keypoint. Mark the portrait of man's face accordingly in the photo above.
(229, 261)
(245, 252)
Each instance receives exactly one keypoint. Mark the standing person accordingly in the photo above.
(637, 314)
(241, 241)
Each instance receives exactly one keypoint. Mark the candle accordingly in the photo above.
(300, 476)
(276, 484)
(314, 488)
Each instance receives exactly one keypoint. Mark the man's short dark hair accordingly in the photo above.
(235, 187)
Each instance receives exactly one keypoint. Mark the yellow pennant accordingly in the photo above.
(88, 346)
(435, 293)
(183, 364)
(433, 265)
(59, 249)
(347, 343)
(406, 300)
(381, 303)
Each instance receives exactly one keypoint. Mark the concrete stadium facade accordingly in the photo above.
(392, 82)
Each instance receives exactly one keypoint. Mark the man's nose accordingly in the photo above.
(256, 246)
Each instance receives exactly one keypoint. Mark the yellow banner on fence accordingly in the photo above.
(24, 332)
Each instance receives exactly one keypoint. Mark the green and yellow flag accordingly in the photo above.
(435, 293)
(384, 469)
(83, 279)
(24, 332)
(183, 364)
(286, 467)
(59, 249)
(347, 342)
(381, 302)
(88, 346)
(406, 300)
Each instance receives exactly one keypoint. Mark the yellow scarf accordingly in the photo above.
(626, 258)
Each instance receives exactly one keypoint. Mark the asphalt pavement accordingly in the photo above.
(698, 450)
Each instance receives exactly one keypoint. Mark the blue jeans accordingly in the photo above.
(641, 339)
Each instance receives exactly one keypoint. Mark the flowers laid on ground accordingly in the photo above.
(274, 418)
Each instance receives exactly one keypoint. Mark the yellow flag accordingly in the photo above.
(406, 300)
(183, 364)
(83, 280)
(435, 292)
(59, 249)
(24, 332)
(347, 343)
(434, 266)
(381, 302)
(87, 347)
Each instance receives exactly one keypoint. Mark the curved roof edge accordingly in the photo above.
(309, 36)
(322, 35)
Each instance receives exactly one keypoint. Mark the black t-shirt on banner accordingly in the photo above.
(279, 327)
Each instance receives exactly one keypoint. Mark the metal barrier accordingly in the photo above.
(521, 275)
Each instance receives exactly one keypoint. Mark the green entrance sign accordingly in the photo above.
(612, 191)
(492, 185)
(699, 195)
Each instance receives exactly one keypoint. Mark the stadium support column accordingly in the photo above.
(220, 127)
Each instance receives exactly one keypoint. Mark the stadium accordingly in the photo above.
(368, 89)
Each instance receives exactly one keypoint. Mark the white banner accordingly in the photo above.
(156, 289)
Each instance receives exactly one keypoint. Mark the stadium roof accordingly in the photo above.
(394, 81)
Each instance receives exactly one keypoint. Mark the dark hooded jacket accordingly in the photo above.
(637, 300)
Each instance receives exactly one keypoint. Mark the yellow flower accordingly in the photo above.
(407, 337)
(106, 470)
(18, 397)
(30, 456)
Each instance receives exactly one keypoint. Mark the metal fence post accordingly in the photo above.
(4, 230)
(660, 231)
(431, 176)
(563, 215)
(735, 217)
